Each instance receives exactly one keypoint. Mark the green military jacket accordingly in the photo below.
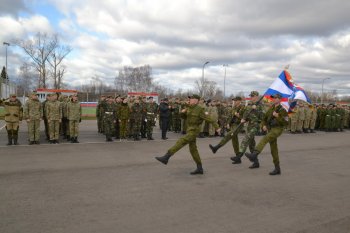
(136, 112)
(74, 111)
(253, 116)
(195, 115)
(237, 109)
(33, 110)
(53, 110)
(13, 111)
(108, 111)
(123, 112)
(275, 122)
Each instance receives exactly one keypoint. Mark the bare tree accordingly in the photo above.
(39, 48)
(55, 59)
(26, 80)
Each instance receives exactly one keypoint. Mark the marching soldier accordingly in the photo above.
(237, 113)
(195, 116)
(74, 117)
(54, 117)
(13, 116)
(33, 113)
(151, 117)
(253, 115)
(274, 121)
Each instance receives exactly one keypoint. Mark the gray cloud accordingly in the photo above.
(12, 7)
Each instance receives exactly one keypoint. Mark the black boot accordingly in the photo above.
(72, 140)
(252, 156)
(68, 138)
(198, 171)
(276, 171)
(164, 159)
(255, 164)
(214, 149)
(15, 137)
(9, 135)
(237, 159)
(76, 140)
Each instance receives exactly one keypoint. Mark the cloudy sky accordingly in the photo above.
(256, 38)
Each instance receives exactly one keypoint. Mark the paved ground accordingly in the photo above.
(119, 187)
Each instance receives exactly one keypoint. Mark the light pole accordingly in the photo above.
(225, 65)
(7, 45)
(322, 89)
(203, 75)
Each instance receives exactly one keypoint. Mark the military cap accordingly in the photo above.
(195, 96)
(254, 93)
(13, 95)
(165, 99)
(277, 95)
(151, 97)
(237, 98)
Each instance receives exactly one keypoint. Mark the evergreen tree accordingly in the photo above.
(3, 73)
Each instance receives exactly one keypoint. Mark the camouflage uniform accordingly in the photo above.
(53, 111)
(176, 117)
(254, 119)
(136, 120)
(313, 118)
(330, 119)
(100, 114)
(65, 122)
(109, 116)
(46, 124)
(74, 117)
(123, 116)
(213, 114)
(13, 115)
(33, 112)
(301, 117)
(294, 120)
(306, 125)
(151, 117)
(346, 117)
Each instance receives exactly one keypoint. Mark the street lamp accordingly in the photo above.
(322, 89)
(7, 45)
(225, 65)
(203, 74)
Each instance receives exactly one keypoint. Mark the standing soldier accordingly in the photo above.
(33, 112)
(109, 117)
(253, 115)
(195, 115)
(118, 102)
(237, 113)
(13, 116)
(164, 114)
(346, 116)
(74, 117)
(176, 116)
(99, 113)
(274, 121)
(330, 118)
(123, 116)
(306, 126)
(294, 120)
(151, 117)
(213, 114)
(143, 129)
(136, 119)
(65, 121)
(301, 117)
(54, 115)
(313, 118)
(46, 124)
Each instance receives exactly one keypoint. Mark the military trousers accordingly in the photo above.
(312, 123)
(73, 128)
(330, 122)
(249, 138)
(123, 128)
(306, 123)
(12, 125)
(190, 138)
(293, 125)
(34, 130)
(271, 137)
(300, 125)
(54, 129)
(149, 126)
(233, 136)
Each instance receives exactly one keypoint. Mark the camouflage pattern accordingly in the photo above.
(53, 111)
(136, 119)
(74, 117)
(176, 117)
(253, 117)
(213, 114)
(330, 119)
(301, 117)
(123, 116)
(151, 117)
(13, 115)
(33, 112)
(109, 116)
(313, 117)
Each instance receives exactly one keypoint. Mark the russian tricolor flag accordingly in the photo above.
(290, 92)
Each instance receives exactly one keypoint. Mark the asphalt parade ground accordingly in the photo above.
(119, 187)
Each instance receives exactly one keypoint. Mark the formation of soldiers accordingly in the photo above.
(61, 115)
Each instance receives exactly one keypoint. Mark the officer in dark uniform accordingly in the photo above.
(164, 115)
